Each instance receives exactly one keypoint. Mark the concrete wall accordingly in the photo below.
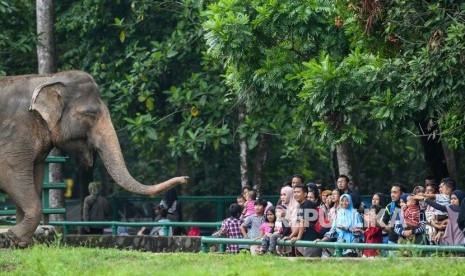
(143, 243)
(47, 234)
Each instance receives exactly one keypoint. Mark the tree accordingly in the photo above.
(47, 64)
(426, 71)
(17, 37)
(265, 45)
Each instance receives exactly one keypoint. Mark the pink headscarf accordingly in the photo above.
(292, 205)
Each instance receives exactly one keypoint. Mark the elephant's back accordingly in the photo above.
(16, 93)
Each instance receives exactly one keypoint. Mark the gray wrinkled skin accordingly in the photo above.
(63, 110)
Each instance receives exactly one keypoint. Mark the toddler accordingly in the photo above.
(281, 229)
(249, 205)
(410, 212)
(240, 200)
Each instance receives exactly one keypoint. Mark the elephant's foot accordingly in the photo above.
(10, 240)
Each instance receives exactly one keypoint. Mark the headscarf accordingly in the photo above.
(461, 208)
(292, 205)
(459, 194)
(461, 218)
(348, 218)
(404, 197)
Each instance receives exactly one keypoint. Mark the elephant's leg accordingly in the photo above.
(39, 171)
(19, 214)
(24, 194)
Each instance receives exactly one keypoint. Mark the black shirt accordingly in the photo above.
(307, 212)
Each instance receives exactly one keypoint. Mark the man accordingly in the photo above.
(250, 229)
(96, 208)
(392, 212)
(430, 181)
(307, 216)
(343, 185)
(297, 179)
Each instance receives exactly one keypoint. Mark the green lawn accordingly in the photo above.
(42, 260)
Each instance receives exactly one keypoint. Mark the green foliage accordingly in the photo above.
(263, 43)
(160, 78)
(339, 89)
(17, 37)
(428, 68)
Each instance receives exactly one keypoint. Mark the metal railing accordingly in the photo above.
(47, 186)
(337, 246)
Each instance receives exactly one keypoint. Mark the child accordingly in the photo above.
(267, 229)
(160, 230)
(452, 234)
(439, 220)
(408, 223)
(373, 233)
(410, 212)
(249, 205)
(281, 229)
(240, 200)
(231, 227)
(250, 228)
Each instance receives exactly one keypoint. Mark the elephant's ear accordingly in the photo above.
(47, 101)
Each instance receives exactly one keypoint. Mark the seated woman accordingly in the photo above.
(347, 225)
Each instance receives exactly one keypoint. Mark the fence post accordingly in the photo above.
(203, 247)
(114, 228)
(47, 186)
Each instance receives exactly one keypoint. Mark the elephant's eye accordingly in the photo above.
(90, 113)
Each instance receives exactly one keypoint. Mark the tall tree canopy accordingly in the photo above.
(313, 77)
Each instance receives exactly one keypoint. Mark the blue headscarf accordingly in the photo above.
(349, 218)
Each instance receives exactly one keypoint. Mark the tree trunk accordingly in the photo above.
(434, 155)
(343, 160)
(46, 46)
(451, 158)
(243, 150)
(343, 150)
(260, 160)
(47, 65)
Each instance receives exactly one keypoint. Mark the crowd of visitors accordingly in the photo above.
(426, 215)
(430, 214)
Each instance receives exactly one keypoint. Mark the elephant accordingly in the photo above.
(62, 110)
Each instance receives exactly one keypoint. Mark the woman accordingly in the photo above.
(171, 203)
(347, 226)
(288, 200)
(453, 234)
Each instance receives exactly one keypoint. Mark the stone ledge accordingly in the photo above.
(142, 243)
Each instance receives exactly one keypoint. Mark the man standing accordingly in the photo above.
(307, 217)
(297, 179)
(343, 185)
(392, 212)
(96, 208)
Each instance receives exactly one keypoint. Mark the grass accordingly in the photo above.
(56, 260)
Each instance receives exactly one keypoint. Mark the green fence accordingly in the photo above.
(337, 246)
(46, 210)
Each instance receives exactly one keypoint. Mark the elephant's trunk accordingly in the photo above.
(106, 142)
